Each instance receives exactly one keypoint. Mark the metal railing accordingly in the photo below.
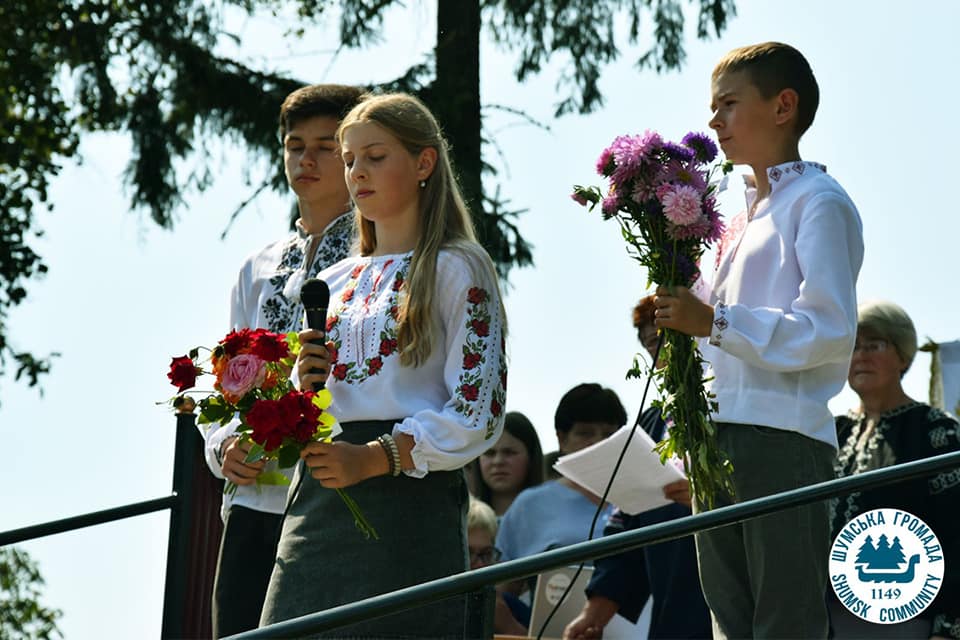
(450, 586)
(181, 501)
(187, 454)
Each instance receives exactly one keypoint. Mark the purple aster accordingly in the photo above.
(702, 145)
(675, 172)
(678, 152)
(629, 153)
(610, 206)
(605, 164)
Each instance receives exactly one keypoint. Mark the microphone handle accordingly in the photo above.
(317, 319)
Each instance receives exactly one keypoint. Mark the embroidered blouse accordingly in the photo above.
(913, 431)
(453, 403)
(267, 296)
(784, 296)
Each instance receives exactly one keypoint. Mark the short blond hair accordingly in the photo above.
(773, 67)
(480, 515)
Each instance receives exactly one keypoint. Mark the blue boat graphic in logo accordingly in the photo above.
(881, 562)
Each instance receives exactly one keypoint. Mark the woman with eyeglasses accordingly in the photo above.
(891, 428)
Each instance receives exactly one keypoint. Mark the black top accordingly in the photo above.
(665, 571)
(913, 431)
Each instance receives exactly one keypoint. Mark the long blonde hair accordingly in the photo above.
(444, 221)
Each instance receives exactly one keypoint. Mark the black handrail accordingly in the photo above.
(87, 520)
(450, 586)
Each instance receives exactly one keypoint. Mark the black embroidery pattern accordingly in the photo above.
(283, 315)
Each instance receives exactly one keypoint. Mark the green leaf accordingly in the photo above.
(288, 456)
(256, 454)
(273, 478)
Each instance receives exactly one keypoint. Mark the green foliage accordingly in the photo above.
(150, 70)
(22, 617)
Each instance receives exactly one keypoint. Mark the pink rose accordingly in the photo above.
(242, 373)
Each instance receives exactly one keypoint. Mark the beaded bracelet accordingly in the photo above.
(393, 452)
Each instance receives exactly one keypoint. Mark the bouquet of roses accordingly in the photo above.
(662, 195)
(252, 368)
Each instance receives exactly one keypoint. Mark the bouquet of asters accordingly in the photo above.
(663, 197)
(251, 369)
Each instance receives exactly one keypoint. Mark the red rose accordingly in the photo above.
(471, 360)
(374, 365)
(388, 346)
(236, 342)
(332, 320)
(183, 373)
(266, 419)
(469, 392)
(495, 409)
(270, 347)
(480, 328)
(339, 372)
(476, 295)
(347, 295)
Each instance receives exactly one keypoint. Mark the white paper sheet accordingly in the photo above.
(640, 479)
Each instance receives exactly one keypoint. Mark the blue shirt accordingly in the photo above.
(545, 517)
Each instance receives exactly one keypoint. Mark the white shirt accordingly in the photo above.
(785, 306)
(267, 296)
(453, 403)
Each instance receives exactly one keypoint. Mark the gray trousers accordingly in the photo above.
(767, 577)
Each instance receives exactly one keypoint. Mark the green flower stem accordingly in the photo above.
(359, 519)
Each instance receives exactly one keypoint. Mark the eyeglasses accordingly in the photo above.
(874, 345)
(487, 555)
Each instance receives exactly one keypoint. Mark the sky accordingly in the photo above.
(122, 297)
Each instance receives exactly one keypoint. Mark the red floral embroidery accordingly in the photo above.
(388, 346)
(495, 408)
(480, 327)
(347, 295)
(357, 270)
(374, 365)
(469, 392)
(340, 371)
(471, 360)
(334, 353)
(476, 295)
(331, 320)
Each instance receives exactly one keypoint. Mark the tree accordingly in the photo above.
(21, 614)
(150, 70)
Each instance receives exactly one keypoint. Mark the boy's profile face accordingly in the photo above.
(312, 162)
(745, 121)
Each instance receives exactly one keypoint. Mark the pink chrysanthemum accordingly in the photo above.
(629, 152)
(610, 205)
(681, 205)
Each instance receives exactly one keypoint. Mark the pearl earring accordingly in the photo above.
(423, 183)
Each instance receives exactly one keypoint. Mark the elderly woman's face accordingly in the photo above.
(875, 365)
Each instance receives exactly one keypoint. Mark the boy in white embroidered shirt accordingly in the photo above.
(781, 322)
(266, 295)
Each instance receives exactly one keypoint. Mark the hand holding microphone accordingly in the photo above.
(313, 363)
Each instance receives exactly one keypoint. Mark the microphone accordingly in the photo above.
(315, 296)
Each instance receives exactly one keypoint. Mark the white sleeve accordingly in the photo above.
(819, 326)
(215, 434)
(474, 371)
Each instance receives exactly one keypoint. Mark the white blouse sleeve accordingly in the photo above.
(215, 434)
(474, 372)
(819, 326)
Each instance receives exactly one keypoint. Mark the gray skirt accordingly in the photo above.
(323, 560)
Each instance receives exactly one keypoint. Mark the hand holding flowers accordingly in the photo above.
(252, 368)
(662, 196)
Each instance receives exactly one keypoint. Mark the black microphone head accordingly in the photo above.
(315, 294)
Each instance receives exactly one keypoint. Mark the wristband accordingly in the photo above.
(392, 451)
